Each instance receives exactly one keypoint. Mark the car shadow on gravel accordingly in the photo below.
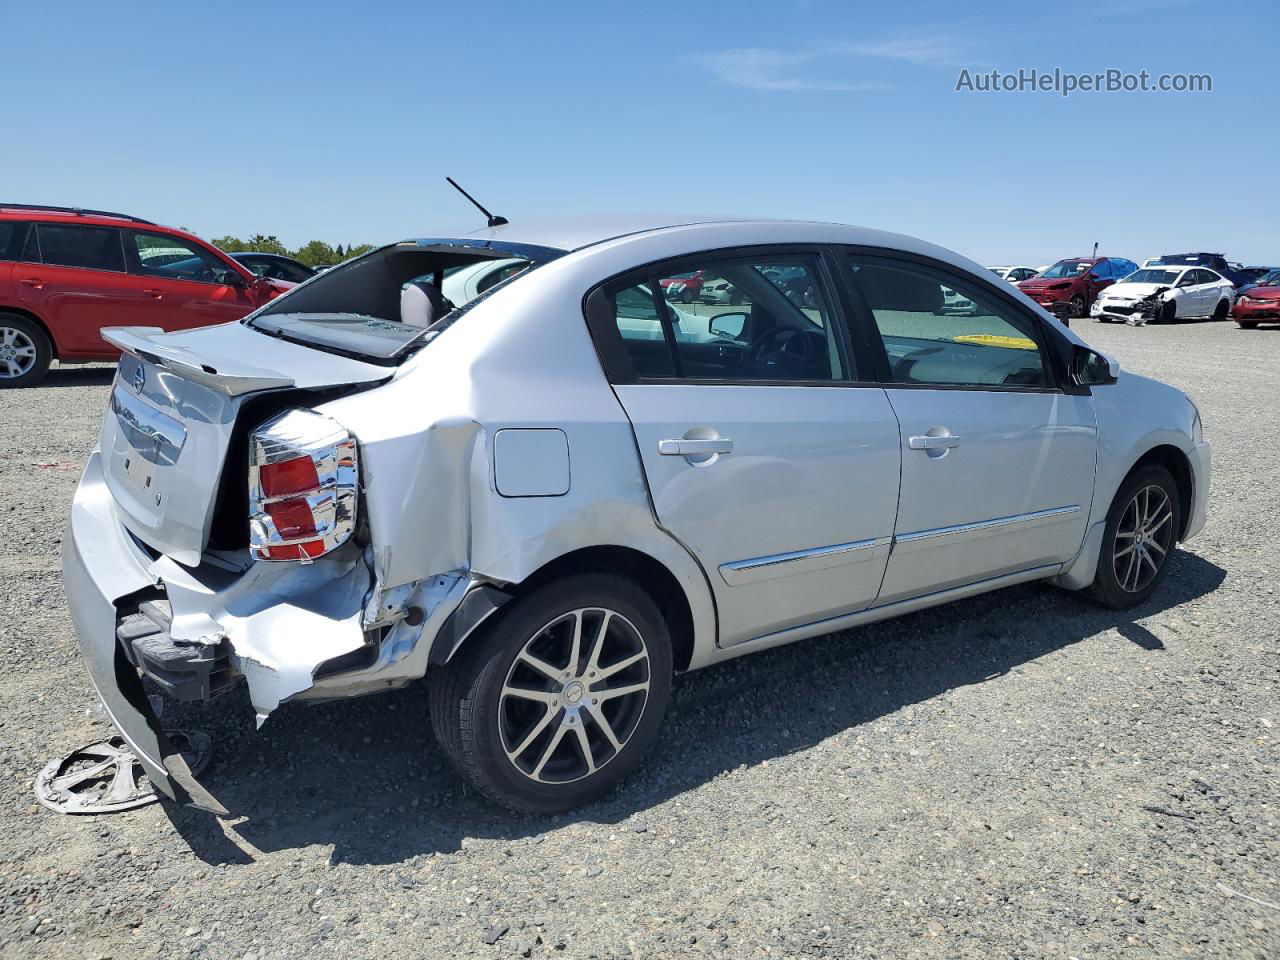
(75, 375)
(367, 777)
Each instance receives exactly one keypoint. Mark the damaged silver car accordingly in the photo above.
(550, 498)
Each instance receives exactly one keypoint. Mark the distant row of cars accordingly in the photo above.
(1189, 285)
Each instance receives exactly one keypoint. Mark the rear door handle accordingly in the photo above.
(154, 294)
(34, 282)
(933, 443)
(694, 448)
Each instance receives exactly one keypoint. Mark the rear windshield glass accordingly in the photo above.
(384, 305)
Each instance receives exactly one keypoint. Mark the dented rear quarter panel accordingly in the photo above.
(521, 359)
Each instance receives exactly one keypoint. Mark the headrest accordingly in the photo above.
(422, 303)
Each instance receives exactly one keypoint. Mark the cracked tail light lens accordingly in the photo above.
(303, 471)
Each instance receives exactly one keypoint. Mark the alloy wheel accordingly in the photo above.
(1143, 538)
(17, 353)
(574, 695)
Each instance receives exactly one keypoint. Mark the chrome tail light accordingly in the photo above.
(303, 476)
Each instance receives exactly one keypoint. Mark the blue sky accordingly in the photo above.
(339, 121)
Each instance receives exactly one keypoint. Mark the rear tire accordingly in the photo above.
(578, 732)
(1138, 540)
(25, 351)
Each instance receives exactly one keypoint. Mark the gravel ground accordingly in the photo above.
(1018, 775)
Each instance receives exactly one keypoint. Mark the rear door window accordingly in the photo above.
(13, 236)
(90, 248)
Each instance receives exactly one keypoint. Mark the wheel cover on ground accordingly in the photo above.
(17, 353)
(574, 695)
(1143, 538)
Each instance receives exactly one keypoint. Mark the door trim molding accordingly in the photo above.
(964, 532)
(775, 565)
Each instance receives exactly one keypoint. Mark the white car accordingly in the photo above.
(1184, 293)
(548, 500)
(464, 283)
(1014, 274)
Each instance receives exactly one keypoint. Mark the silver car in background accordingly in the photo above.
(550, 498)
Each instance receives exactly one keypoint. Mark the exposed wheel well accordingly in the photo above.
(1175, 461)
(27, 314)
(656, 579)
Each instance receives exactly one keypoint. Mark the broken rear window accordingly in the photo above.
(384, 305)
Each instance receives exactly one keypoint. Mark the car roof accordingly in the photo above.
(102, 218)
(570, 233)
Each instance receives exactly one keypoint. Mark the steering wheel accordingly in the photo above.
(785, 352)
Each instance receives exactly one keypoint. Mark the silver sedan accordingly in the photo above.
(547, 497)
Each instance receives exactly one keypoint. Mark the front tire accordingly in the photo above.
(1138, 540)
(1079, 308)
(25, 351)
(560, 696)
(1221, 310)
(1247, 324)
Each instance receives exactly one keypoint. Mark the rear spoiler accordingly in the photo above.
(231, 377)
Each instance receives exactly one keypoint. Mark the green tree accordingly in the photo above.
(260, 244)
(315, 253)
(230, 244)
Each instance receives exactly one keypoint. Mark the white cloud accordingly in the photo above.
(764, 68)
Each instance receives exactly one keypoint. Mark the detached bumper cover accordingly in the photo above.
(98, 568)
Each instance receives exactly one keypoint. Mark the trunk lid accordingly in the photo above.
(175, 404)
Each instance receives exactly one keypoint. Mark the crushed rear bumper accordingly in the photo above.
(98, 569)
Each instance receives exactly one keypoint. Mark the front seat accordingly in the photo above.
(422, 303)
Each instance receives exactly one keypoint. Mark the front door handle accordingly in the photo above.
(694, 448)
(944, 442)
(154, 294)
(33, 282)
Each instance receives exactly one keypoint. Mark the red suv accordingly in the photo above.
(1076, 281)
(66, 273)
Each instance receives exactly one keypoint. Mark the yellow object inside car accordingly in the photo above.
(992, 340)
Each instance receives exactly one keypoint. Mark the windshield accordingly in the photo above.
(1153, 275)
(383, 305)
(1270, 279)
(1066, 268)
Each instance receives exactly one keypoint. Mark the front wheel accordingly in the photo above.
(1247, 324)
(1078, 307)
(1221, 310)
(1138, 539)
(561, 695)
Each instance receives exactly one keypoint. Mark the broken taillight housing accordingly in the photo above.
(303, 473)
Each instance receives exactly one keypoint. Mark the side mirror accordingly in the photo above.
(232, 279)
(728, 325)
(1092, 369)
